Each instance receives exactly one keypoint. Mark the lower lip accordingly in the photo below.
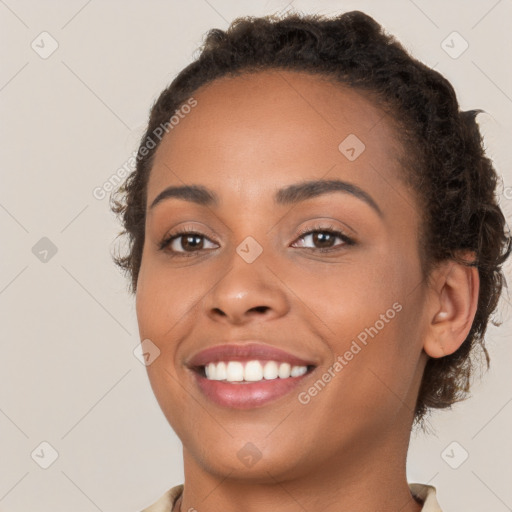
(247, 395)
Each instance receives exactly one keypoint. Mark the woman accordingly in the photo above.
(315, 246)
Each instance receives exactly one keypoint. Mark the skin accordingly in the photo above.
(346, 449)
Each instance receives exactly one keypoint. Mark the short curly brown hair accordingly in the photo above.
(444, 158)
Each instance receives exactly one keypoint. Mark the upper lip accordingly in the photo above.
(245, 352)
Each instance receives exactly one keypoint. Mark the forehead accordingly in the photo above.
(268, 129)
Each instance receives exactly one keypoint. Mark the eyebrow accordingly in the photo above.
(290, 194)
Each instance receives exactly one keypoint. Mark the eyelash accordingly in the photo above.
(331, 230)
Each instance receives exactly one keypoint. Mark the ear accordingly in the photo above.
(454, 299)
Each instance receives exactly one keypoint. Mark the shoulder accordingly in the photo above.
(166, 501)
(427, 494)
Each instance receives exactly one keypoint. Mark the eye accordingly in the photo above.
(323, 238)
(186, 242)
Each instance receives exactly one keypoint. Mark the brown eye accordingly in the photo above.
(186, 242)
(189, 242)
(324, 239)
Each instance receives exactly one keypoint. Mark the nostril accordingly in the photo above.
(260, 309)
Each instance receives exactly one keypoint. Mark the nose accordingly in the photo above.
(247, 292)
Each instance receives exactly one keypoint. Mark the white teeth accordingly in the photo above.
(220, 372)
(297, 371)
(210, 371)
(271, 370)
(234, 371)
(215, 371)
(284, 370)
(252, 371)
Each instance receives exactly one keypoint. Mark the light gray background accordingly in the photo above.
(68, 375)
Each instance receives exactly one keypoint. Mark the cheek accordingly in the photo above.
(162, 299)
(365, 312)
(350, 295)
(159, 307)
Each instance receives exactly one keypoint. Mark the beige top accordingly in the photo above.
(426, 493)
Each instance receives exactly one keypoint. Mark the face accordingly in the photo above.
(330, 276)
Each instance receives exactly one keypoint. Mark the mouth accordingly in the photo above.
(247, 376)
(238, 372)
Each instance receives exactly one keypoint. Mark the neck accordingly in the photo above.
(366, 479)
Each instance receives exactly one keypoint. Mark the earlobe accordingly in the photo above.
(455, 300)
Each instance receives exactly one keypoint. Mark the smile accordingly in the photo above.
(247, 376)
(252, 371)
